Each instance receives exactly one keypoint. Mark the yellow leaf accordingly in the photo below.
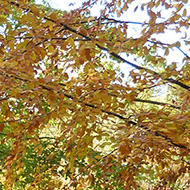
(176, 17)
(87, 54)
(184, 12)
(105, 75)
(2, 126)
(1, 36)
(71, 42)
(15, 92)
(52, 98)
(11, 44)
(157, 3)
(83, 31)
(167, 51)
(33, 56)
(51, 48)
(86, 68)
(90, 160)
(35, 11)
(146, 52)
(78, 91)
(98, 157)
(178, 44)
(53, 16)
(124, 149)
(2, 20)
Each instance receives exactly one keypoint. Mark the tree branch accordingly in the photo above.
(157, 133)
(157, 103)
(121, 58)
(165, 44)
(112, 53)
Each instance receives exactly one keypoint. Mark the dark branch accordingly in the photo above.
(157, 133)
(157, 103)
(165, 44)
(121, 58)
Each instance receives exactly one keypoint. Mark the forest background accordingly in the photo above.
(93, 98)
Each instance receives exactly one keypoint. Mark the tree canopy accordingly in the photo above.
(93, 101)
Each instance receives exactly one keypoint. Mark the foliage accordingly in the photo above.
(71, 118)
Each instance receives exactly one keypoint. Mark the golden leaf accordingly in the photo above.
(52, 97)
(167, 51)
(35, 11)
(53, 16)
(83, 31)
(2, 126)
(87, 54)
(78, 91)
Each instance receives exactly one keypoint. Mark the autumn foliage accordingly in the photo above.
(71, 116)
